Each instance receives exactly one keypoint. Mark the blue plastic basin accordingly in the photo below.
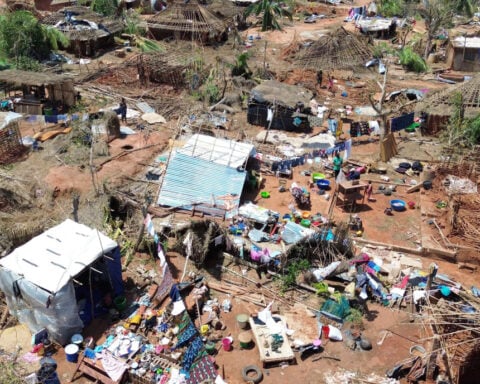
(398, 205)
(323, 184)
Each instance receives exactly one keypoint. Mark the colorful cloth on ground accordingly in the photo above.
(203, 370)
(193, 350)
(189, 332)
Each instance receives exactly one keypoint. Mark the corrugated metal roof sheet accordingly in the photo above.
(467, 42)
(217, 150)
(193, 180)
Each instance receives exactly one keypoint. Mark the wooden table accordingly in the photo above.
(348, 194)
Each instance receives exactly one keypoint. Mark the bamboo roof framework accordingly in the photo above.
(338, 50)
(187, 20)
(167, 67)
(441, 103)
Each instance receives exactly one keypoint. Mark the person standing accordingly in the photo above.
(369, 191)
(123, 110)
(319, 78)
(330, 84)
(337, 164)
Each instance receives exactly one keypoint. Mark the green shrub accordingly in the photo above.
(391, 8)
(411, 60)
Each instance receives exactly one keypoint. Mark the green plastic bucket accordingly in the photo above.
(120, 303)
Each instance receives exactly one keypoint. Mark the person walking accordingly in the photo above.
(337, 164)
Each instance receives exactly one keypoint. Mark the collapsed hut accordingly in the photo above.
(188, 21)
(175, 68)
(87, 31)
(225, 10)
(10, 137)
(281, 106)
(440, 106)
(456, 341)
(37, 93)
(338, 50)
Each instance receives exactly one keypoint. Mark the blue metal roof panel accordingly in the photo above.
(189, 180)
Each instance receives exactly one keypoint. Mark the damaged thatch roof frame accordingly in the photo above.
(86, 30)
(339, 49)
(38, 79)
(440, 103)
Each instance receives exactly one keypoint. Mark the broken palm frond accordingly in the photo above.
(147, 45)
(339, 49)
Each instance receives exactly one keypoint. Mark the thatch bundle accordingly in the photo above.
(339, 49)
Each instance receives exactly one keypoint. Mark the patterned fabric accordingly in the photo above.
(189, 332)
(193, 349)
(202, 370)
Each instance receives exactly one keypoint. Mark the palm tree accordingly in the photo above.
(271, 12)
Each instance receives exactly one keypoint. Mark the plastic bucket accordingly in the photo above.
(71, 352)
(210, 347)
(204, 329)
(77, 339)
(242, 321)
(227, 344)
(245, 340)
(120, 303)
(305, 223)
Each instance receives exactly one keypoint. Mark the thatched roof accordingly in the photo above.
(188, 17)
(339, 49)
(87, 25)
(19, 78)
(223, 9)
(440, 103)
(270, 91)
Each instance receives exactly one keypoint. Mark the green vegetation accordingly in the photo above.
(133, 24)
(25, 42)
(271, 11)
(147, 45)
(390, 8)
(461, 132)
(411, 60)
(240, 68)
(355, 317)
(289, 277)
(105, 7)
